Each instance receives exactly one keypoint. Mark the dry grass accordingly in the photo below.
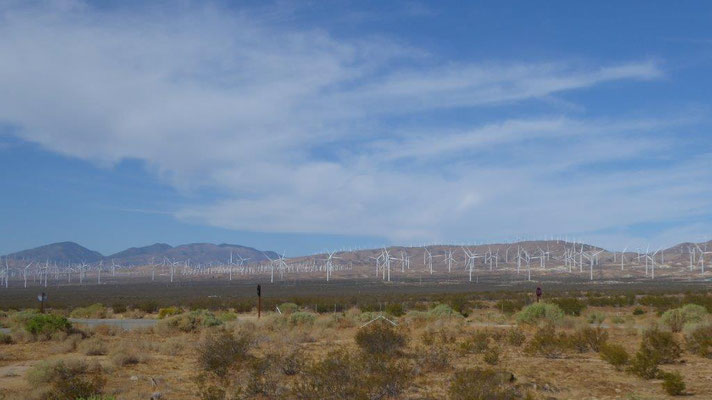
(436, 360)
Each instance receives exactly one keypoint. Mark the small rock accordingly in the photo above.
(134, 378)
(156, 396)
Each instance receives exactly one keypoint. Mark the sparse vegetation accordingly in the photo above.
(482, 384)
(380, 339)
(330, 357)
(615, 355)
(673, 383)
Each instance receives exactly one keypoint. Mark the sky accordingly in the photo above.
(305, 126)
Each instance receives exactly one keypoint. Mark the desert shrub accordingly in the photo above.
(482, 384)
(570, 305)
(509, 306)
(477, 343)
(617, 319)
(678, 317)
(93, 311)
(293, 362)
(227, 316)
(540, 312)
(596, 318)
(169, 312)
(118, 308)
(645, 364)
(662, 344)
(302, 318)
(395, 309)
(433, 358)
(673, 383)
(443, 311)
(586, 338)
(491, 355)
(126, 354)
(107, 330)
(343, 375)
(547, 342)
(638, 311)
(459, 305)
(68, 345)
(659, 302)
(46, 324)
(5, 339)
(93, 347)
(694, 312)
(67, 379)
(380, 339)
(288, 308)
(614, 354)
(189, 322)
(148, 307)
(218, 353)
(674, 319)
(516, 337)
(699, 340)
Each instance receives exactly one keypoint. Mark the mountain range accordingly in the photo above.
(70, 252)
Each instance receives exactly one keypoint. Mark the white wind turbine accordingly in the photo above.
(449, 260)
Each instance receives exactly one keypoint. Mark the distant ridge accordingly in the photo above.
(70, 252)
(62, 252)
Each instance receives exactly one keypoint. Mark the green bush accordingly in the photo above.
(596, 318)
(677, 318)
(46, 324)
(674, 319)
(638, 311)
(645, 364)
(570, 305)
(380, 339)
(540, 312)
(615, 355)
(169, 312)
(662, 344)
(699, 340)
(302, 318)
(97, 311)
(190, 322)
(694, 313)
(673, 383)
(443, 311)
(482, 384)
(395, 309)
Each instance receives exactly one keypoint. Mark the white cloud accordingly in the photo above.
(295, 127)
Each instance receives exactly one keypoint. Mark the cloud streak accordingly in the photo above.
(299, 131)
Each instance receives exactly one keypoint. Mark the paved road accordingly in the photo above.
(127, 324)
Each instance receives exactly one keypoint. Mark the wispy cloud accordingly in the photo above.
(303, 132)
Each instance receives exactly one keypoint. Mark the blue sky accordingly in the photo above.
(302, 126)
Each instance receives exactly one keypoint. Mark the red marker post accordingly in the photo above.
(259, 301)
